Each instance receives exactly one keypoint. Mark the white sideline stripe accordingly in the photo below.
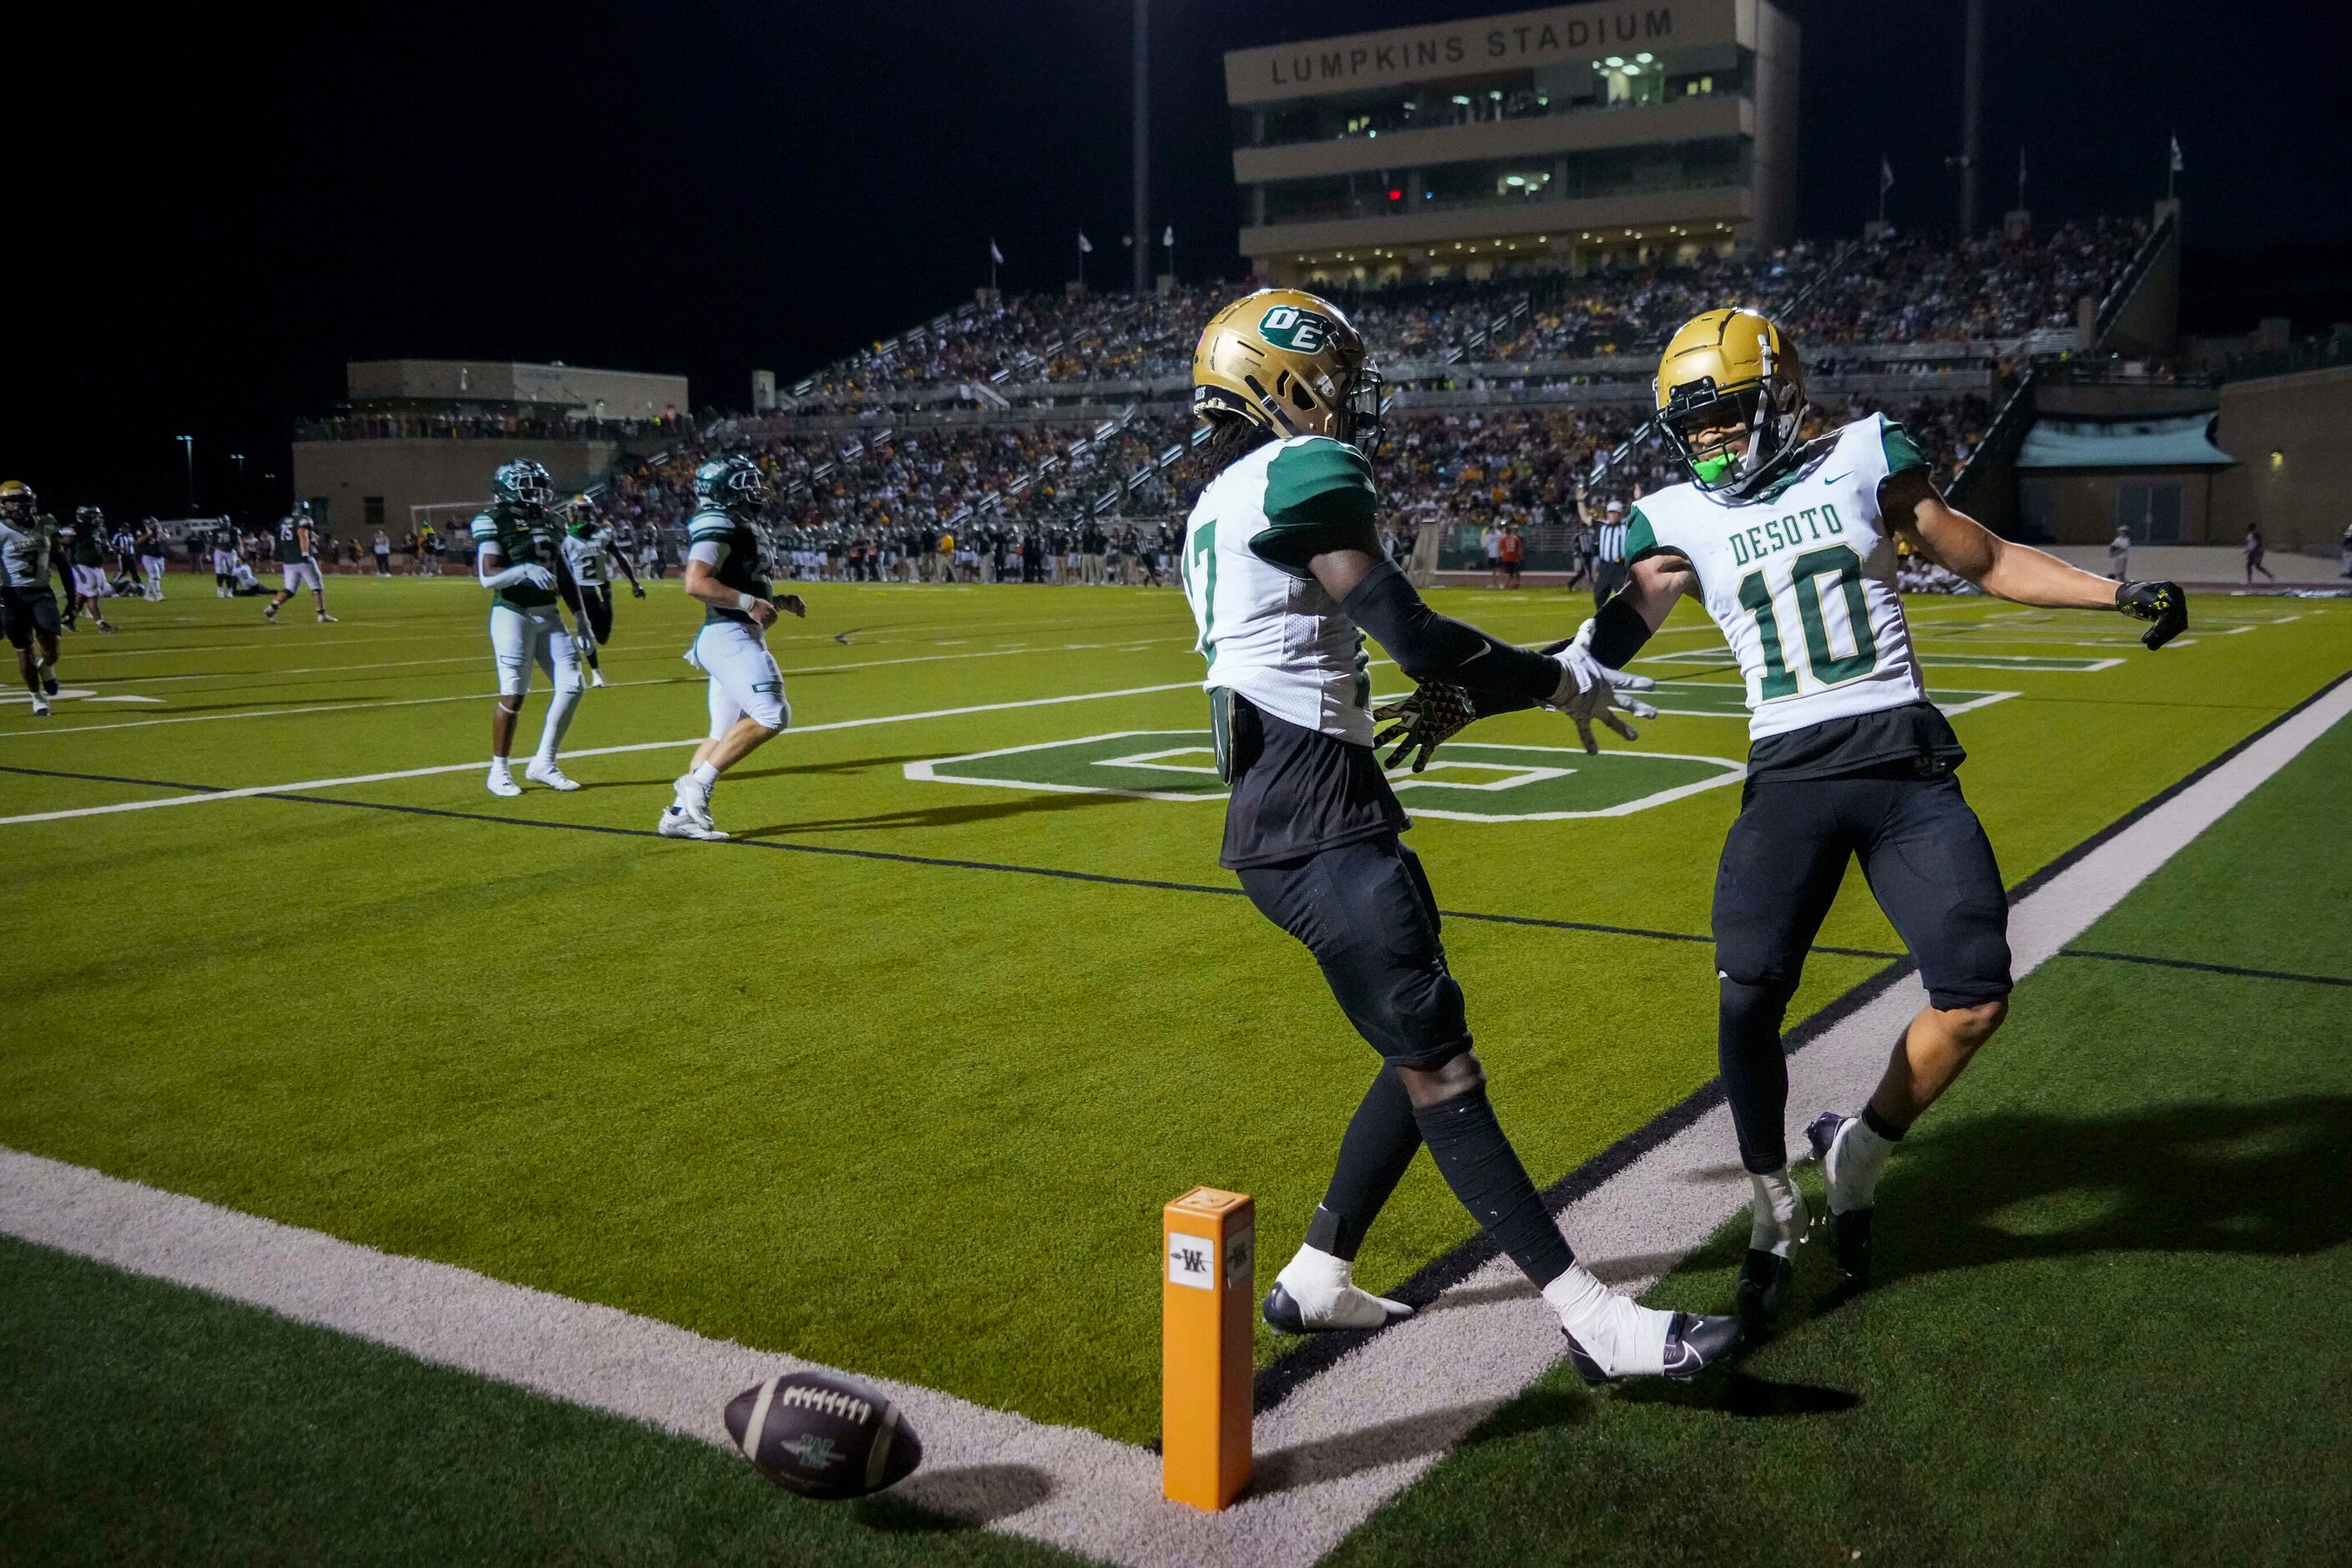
(249, 791)
(1345, 1441)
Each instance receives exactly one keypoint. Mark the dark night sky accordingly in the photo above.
(212, 216)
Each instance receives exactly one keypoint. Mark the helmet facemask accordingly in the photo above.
(1730, 437)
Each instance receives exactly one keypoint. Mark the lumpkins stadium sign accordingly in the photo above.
(1525, 38)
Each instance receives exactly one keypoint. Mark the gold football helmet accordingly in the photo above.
(1289, 362)
(17, 502)
(1727, 377)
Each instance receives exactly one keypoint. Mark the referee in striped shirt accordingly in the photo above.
(1608, 557)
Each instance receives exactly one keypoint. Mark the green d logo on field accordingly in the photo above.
(1466, 782)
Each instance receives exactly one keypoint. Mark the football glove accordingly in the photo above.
(1589, 690)
(636, 589)
(1435, 712)
(2162, 602)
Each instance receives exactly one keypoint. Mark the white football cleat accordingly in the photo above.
(501, 782)
(40, 706)
(595, 678)
(1315, 1293)
(548, 774)
(678, 823)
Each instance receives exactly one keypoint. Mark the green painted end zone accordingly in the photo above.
(1466, 782)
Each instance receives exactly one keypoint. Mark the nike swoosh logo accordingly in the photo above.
(1481, 653)
(1835, 477)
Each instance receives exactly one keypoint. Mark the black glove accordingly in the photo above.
(636, 589)
(2162, 602)
(1434, 714)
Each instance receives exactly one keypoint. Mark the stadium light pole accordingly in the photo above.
(188, 448)
(1973, 63)
(239, 500)
(1141, 259)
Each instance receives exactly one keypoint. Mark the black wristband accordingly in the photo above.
(1618, 633)
(1429, 647)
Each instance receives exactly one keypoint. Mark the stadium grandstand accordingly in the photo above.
(1050, 417)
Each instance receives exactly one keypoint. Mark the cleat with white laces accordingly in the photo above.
(40, 706)
(270, 614)
(677, 823)
(595, 678)
(548, 774)
(1315, 1293)
(501, 782)
(325, 619)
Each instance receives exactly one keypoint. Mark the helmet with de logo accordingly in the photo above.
(1288, 361)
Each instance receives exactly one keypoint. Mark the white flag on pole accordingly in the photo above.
(2176, 152)
(1168, 237)
(995, 254)
(1086, 246)
(1885, 174)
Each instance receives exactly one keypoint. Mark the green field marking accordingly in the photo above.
(1933, 660)
(1466, 782)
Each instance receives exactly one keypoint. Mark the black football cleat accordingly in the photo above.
(1849, 1231)
(1765, 1282)
(48, 685)
(1693, 1345)
(1850, 1239)
(1281, 1314)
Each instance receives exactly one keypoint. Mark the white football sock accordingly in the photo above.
(706, 775)
(1323, 1285)
(559, 720)
(1619, 1333)
(1777, 1219)
(1852, 1166)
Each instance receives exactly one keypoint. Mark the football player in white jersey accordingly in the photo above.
(589, 555)
(1284, 572)
(1791, 546)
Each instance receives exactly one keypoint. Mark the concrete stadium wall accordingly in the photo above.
(2288, 434)
(407, 473)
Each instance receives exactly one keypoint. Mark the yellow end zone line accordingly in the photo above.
(306, 785)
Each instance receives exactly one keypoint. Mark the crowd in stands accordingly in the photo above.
(1892, 289)
(901, 496)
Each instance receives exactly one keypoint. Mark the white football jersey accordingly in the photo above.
(1270, 632)
(1801, 580)
(584, 554)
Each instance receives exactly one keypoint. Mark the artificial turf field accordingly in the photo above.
(911, 1109)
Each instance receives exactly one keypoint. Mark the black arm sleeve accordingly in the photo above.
(1429, 647)
(1618, 632)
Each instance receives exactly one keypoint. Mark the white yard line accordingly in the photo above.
(307, 785)
(1346, 1440)
(369, 704)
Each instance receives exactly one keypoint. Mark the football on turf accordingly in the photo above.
(823, 1434)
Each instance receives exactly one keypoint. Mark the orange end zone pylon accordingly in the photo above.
(1208, 1289)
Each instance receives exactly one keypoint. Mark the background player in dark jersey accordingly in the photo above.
(28, 605)
(297, 550)
(724, 571)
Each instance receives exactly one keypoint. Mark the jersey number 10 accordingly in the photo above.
(1825, 663)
